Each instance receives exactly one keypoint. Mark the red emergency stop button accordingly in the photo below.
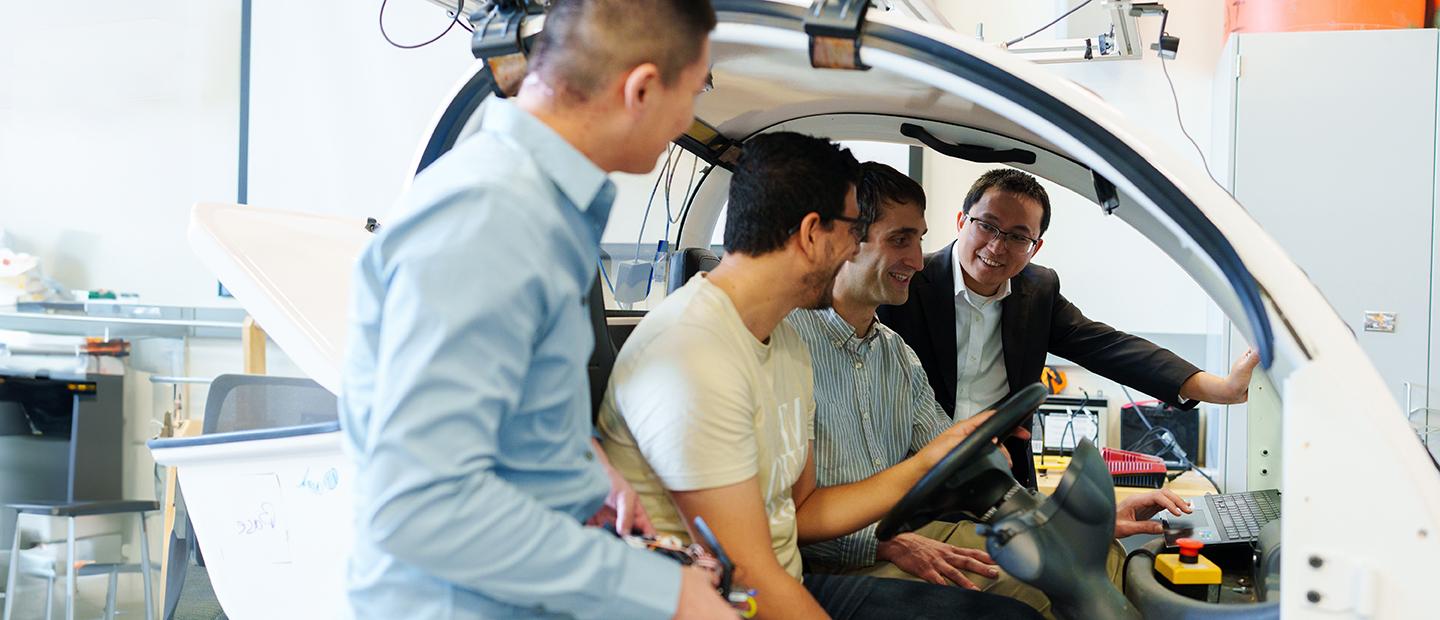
(1189, 550)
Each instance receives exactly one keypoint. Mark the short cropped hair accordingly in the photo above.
(781, 178)
(880, 184)
(1011, 181)
(585, 43)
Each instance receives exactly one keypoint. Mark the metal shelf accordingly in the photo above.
(120, 321)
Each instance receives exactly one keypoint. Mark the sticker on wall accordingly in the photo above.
(1377, 321)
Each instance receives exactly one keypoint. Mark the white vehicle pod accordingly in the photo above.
(1343, 432)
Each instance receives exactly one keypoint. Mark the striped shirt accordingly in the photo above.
(873, 408)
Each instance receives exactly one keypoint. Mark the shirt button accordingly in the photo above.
(589, 456)
(877, 462)
(859, 365)
(865, 415)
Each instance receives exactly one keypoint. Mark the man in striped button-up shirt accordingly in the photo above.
(875, 406)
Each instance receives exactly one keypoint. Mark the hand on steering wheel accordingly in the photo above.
(935, 451)
(915, 509)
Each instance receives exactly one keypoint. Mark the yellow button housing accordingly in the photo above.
(1203, 572)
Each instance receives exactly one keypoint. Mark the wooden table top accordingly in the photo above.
(1052, 468)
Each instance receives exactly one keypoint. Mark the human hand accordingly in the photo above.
(942, 444)
(934, 561)
(1237, 383)
(1228, 390)
(622, 505)
(698, 598)
(1132, 515)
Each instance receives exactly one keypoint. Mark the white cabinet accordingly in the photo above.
(1329, 140)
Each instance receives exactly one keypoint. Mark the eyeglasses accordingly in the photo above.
(858, 226)
(1014, 241)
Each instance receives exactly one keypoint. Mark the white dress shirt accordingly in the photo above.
(980, 378)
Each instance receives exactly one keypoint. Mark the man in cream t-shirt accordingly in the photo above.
(712, 406)
(710, 409)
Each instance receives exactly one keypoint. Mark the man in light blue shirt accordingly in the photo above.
(465, 402)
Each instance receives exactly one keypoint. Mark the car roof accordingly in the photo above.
(958, 89)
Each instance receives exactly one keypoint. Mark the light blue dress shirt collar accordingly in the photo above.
(584, 184)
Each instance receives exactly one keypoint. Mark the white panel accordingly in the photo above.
(1432, 415)
(274, 521)
(1333, 170)
(292, 271)
(114, 119)
(337, 114)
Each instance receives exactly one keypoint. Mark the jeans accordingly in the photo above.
(874, 598)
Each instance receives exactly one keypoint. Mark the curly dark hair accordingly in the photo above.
(782, 177)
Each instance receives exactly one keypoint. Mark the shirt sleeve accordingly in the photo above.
(929, 418)
(851, 551)
(453, 360)
(1118, 356)
(687, 403)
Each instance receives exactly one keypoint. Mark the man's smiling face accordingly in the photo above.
(880, 273)
(989, 259)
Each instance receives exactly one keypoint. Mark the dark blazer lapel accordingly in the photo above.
(1014, 332)
(938, 304)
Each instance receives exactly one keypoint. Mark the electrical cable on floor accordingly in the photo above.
(1052, 23)
(454, 19)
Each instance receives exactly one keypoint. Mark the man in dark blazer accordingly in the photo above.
(976, 353)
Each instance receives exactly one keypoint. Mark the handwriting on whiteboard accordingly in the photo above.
(321, 485)
(258, 532)
(264, 519)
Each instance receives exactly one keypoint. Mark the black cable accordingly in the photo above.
(1125, 567)
(455, 19)
(640, 237)
(1165, 444)
(690, 185)
(1052, 23)
(1164, 68)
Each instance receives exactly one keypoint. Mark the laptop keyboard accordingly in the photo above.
(1241, 515)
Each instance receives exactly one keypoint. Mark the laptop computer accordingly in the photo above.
(1232, 518)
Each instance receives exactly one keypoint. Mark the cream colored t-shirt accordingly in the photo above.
(696, 402)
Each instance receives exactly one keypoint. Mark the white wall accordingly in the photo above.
(114, 119)
(337, 113)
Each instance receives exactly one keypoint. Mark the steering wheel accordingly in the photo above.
(914, 510)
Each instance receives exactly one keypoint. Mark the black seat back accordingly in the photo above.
(602, 359)
(688, 262)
